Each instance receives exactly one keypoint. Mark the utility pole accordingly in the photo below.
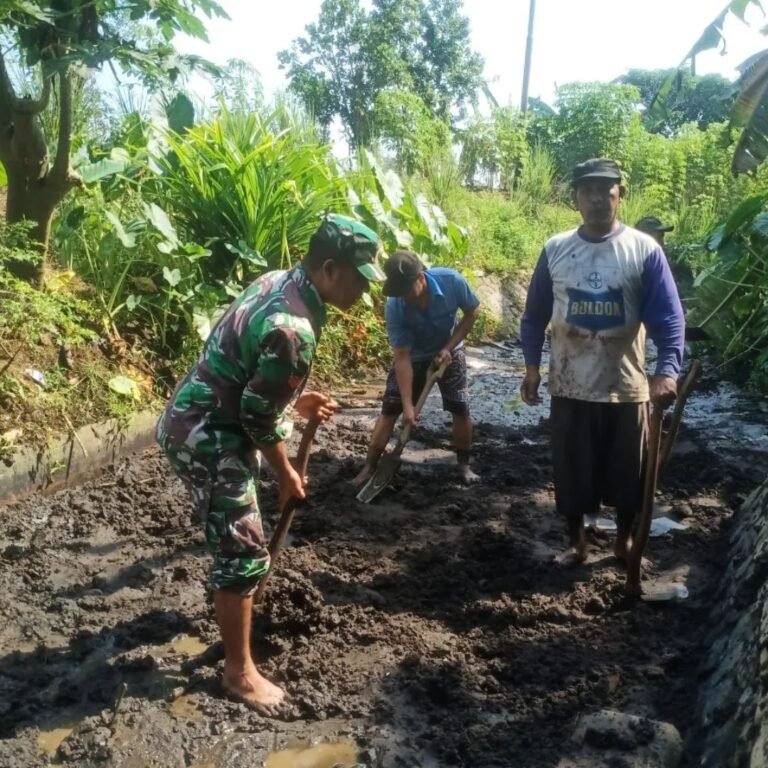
(528, 52)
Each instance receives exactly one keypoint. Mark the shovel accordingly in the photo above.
(286, 513)
(390, 462)
(642, 527)
(658, 454)
(686, 385)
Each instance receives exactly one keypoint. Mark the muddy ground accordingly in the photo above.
(428, 628)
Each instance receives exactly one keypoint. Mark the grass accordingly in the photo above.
(505, 235)
(54, 332)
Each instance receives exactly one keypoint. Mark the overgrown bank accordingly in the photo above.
(176, 216)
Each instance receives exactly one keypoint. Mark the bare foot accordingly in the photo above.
(571, 557)
(632, 587)
(363, 476)
(254, 690)
(466, 475)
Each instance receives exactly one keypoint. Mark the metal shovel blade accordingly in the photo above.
(385, 471)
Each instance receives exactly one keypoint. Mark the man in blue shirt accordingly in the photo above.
(424, 331)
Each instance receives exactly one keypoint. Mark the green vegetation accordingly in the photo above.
(164, 215)
(55, 369)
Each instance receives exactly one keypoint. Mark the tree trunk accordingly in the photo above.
(35, 186)
(34, 202)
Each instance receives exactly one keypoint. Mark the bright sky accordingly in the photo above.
(573, 39)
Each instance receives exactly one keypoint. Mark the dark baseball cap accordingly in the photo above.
(653, 224)
(401, 268)
(354, 241)
(596, 168)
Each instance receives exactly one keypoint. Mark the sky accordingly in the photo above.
(573, 39)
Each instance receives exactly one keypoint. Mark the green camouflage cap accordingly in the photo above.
(355, 241)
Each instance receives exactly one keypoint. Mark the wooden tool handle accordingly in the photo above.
(432, 377)
(683, 390)
(286, 513)
(642, 527)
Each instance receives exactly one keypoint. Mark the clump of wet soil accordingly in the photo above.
(430, 626)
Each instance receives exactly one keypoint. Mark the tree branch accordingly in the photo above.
(7, 101)
(32, 106)
(64, 144)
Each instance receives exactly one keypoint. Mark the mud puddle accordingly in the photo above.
(428, 628)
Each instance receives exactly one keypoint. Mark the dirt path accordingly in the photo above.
(428, 628)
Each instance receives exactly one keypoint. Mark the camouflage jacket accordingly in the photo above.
(255, 361)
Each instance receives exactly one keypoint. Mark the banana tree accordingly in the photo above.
(750, 111)
(58, 40)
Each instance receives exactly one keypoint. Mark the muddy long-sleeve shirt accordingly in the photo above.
(251, 367)
(600, 297)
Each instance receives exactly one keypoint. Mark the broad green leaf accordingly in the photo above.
(59, 280)
(75, 217)
(108, 166)
(715, 240)
(3, 176)
(120, 154)
(739, 7)
(203, 325)
(745, 213)
(80, 158)
(458, 239)
(159, 219)
(205, 320)
(731, 250)
(34, 10)
(132, 302)
(393, 189)
(172, 276)
(704, 275)
(711, 37)
(244, 251)
(750, 110)
(124, 386)
(128, 240)
(427, 215)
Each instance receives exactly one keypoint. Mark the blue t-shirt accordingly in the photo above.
(426, 331)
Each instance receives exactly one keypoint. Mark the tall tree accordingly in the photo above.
(594, 120)
(58, 39)
(351, 54)
(702, 100)
(409, 130)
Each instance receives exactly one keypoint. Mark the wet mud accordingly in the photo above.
(428, 628)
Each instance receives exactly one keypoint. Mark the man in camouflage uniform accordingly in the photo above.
(230, 409)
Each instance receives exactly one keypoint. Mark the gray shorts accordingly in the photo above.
(452, 385)
(598, 452)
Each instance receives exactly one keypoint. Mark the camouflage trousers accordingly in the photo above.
(223, 491)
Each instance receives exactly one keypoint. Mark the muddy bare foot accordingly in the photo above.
(632, 587)
(255, 691)
(572, 557)
(466, 475)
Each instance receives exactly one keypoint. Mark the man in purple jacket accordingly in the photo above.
(601, 287)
